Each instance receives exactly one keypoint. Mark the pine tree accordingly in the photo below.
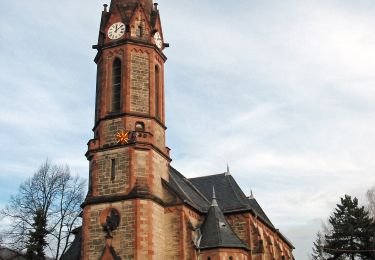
(37, 237)
(352, 231)
(318, 249)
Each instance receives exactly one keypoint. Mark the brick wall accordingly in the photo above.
(140, 83)
(121, 183)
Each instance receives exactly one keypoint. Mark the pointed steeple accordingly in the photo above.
(251, 194)
(127, 7)
(214, 201)
(227, 173)
(216, 231)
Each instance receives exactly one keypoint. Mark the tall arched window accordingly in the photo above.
(116, 85)
(157, 92)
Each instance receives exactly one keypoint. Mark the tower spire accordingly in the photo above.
(227, 173)
(214, 201)
(251, 194)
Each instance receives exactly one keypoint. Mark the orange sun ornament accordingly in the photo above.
(122, 137)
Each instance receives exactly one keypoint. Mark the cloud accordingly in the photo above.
(281, 90)
(284, 93)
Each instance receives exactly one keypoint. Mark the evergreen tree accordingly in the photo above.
(37, 237)
(352, 231)
(318, 249)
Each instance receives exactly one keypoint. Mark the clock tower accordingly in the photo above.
(123, 211)
(138, 207)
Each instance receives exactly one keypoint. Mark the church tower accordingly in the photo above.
(123, 212)
(139, 207)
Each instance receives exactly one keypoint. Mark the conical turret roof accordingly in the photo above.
(216, 231)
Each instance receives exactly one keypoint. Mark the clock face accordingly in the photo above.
(116, 31)
(158, 40)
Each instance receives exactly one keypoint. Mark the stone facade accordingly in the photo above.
(172, 231)
(224, 254)
(111, 127)
(140, 83)
(120, 181)
(240, 226)
(123, 238)
(159, 136)
(132, 211)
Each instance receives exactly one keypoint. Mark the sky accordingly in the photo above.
(283, 91)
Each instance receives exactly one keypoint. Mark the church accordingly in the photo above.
(138, 206)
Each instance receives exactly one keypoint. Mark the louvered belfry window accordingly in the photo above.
(116, 85)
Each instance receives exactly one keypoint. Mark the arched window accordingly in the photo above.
(208, 258)
(157, 92)
(116, 85)
(140, 127)
(139, 31)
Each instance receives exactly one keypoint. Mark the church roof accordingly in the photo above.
(259, 211)
(187, 191)
(197, 192)
(229, 195)
(74, 251)
(216, 231)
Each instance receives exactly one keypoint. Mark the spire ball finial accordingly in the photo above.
(105, 7)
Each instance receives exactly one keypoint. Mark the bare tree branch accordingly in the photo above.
(53, 189)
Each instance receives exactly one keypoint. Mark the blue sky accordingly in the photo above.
(284, 91)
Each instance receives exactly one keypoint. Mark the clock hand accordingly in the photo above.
(116, 28)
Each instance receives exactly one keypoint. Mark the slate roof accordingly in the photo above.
(74, 251)
(259, 211)
(187, 191)
(229, 195)
(216, 231)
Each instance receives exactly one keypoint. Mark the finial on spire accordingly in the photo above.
(105, 8)
(251, 194)
(228, 171)
(214, 201)
(156, 6)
